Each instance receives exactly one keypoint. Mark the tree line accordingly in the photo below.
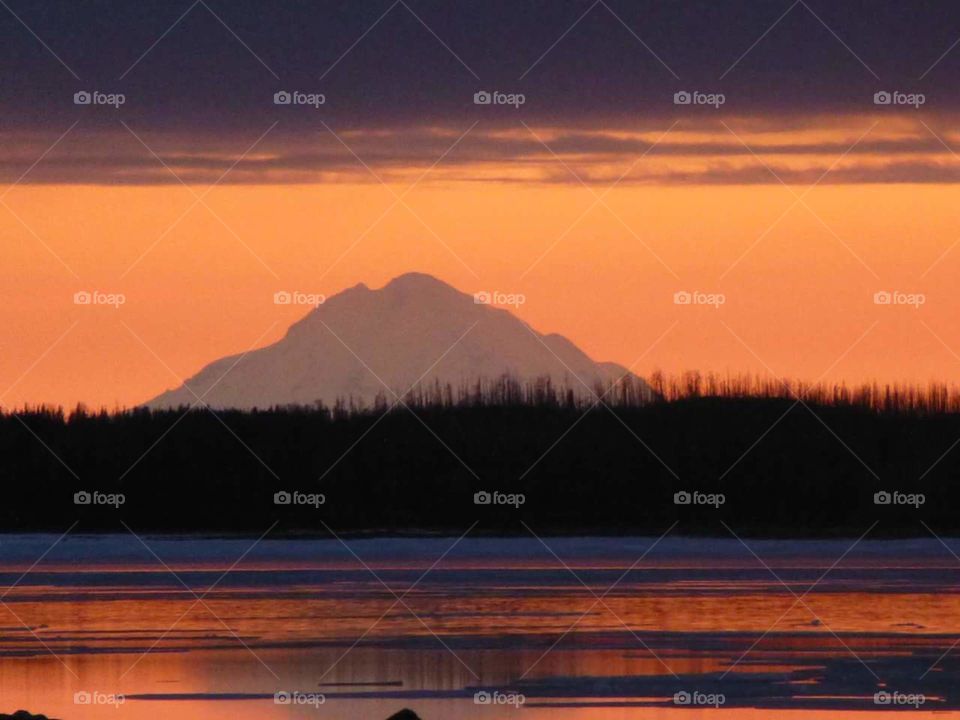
(785, 459)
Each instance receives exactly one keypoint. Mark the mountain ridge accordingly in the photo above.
(364, 343)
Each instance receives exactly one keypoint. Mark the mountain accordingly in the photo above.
(415, 328)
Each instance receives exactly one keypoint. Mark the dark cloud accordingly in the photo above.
(695, 152)
(219, 64)
(199, 78)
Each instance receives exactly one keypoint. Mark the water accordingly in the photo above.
(565, 629)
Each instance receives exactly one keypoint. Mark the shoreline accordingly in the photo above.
(851, 534)
(586, 534)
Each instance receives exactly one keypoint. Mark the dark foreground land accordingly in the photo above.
(782, 468)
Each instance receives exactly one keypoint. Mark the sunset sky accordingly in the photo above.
(798, 198)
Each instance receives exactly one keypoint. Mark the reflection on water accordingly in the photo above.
(596, 634)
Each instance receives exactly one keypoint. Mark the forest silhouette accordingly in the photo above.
(787, 459)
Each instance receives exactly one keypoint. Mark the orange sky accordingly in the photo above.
(798, 278)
